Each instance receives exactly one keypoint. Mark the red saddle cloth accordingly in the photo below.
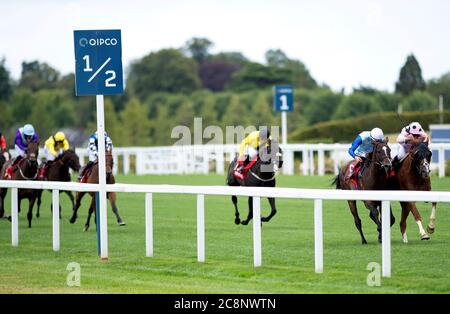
(87, 173)
(246, 169)
(356, 169)
(42, 172)
(10, 171)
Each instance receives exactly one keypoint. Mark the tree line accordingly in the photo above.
(170, 87)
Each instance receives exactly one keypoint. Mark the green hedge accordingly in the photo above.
(346, 130)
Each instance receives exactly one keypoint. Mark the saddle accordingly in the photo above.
(86, 173)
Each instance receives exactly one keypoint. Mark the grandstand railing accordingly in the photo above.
(318, 195)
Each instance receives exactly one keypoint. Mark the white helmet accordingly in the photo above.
(377, 134)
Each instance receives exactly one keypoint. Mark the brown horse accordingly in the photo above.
(58, 170)
(413, 173)
(26, 169)
(374, 176)
(93, 178)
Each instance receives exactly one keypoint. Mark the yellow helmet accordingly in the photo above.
(59, 137)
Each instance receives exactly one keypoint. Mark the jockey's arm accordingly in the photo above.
(2, 143)
(354, 146)
(244, 143)
(66, 145)
(50, 144)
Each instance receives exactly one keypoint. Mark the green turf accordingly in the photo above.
(288, 248)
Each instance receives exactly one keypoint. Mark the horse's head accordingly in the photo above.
(421, 156)
(71, 159)
(382, 155)
(109, 163)
(271, 157)
(32, 152)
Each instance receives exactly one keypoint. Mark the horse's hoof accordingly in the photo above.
(244, 222)
(425, 237)
(430, 230)
(37, 215)
(86, 228)
(364, 242)
(237, 221)
(72, 220)
(121, 223)
(9, 218)
(264, 219)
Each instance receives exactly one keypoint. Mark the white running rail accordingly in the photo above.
(257, 192)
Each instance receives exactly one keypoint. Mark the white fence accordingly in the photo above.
(202, 159)
(257, 192)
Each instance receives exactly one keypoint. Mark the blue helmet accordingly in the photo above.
(28, 130)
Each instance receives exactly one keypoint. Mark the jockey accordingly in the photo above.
(55, 146)
(93, 151)
(24, 135)
(3, 146)
(413, 131)
(362, 146)
(248, 149)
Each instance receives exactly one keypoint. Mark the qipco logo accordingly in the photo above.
(97, 42)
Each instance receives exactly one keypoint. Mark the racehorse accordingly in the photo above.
(374, 176)
(4, 157)
(58, 170)
(26, 169)
(92, 177)
(413, 173)
(261, 173)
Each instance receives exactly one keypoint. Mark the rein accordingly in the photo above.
(261, 179)
(24, 176)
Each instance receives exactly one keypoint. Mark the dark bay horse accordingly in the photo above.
(374, 176)
(26, 169)
(93, 178)
(58, 170)
(262, 173)
(413, 173)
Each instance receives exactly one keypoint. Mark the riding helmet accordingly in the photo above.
(28, 130)
(377, 134)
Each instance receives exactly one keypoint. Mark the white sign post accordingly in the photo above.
(98, 71)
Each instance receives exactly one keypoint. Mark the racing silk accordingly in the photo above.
(53, 146)
(93, 143)
(2, 142)
(251, 140)
(362, 145)
(20, 139)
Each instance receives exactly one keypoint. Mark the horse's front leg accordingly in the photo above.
(418, 218)
(91, 210)
(405, 213)
(374, 214)
(31, 201)
(237, 220)
(2, 203)
(76, 206)
(39, 201)
(273, 210)
(250, 211)
(431, 227)
(112, 200)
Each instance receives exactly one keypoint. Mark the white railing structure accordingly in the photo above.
(200, 159)
(257, 192)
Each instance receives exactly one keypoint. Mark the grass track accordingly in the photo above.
(288, 248)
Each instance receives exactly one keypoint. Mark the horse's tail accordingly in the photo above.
(337, 181)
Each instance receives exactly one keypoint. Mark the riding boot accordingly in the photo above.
(10, 171)
(238, 171)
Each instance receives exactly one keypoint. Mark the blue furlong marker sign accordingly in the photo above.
(98, 62)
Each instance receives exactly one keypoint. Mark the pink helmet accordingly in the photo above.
(414, 128)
